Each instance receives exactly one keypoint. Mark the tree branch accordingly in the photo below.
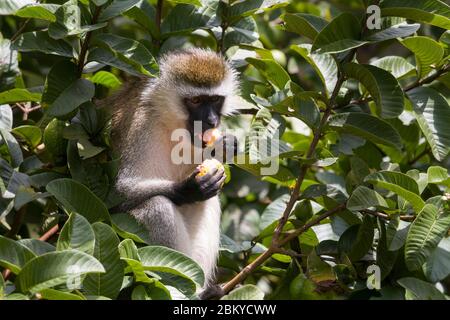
(85, 45)
(158, 17)
(429, 79)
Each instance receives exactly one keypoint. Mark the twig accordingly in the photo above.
(271, 250)
(385, 216)
(419, 156)
(17, 223)
(87, 40)
(158, 17)
(26, 109)
(429, 79)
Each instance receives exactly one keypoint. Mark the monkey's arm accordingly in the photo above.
(193, 189)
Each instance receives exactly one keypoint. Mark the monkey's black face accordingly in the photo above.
(203, 109)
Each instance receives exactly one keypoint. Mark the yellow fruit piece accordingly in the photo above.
(207, 166)
(211, 136)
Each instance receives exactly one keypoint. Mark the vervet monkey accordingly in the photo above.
(179, 208)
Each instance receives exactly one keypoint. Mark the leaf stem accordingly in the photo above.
(87, 40)
(158, 18)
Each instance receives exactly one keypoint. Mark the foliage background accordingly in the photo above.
(364, 158)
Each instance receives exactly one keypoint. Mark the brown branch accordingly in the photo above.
(385, 216)
(17, 222)
(158, 18)
(85, 45)
(429, 79)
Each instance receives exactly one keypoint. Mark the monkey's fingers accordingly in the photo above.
(215, 178)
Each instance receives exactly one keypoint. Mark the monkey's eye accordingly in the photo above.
(194, 100)
(215, 98)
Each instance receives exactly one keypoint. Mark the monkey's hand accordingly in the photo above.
(204, 183)
(225, 148)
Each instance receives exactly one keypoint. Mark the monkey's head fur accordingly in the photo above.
(195, 85)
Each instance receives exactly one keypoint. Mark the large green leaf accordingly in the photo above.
(434, 12)
(399, 67)
(44, 11)
(367, 127)
(79, 92)
(246, 292)
(304, 24)
(14, 255)
(40, 41)
(56, 268)
(437, 266)
(78, 234)
(163, 259)
(396, 31)
(246, 8)
(106, 284)
(130, 49)
(38, 247)
(417, 289)
(106, 79)
(273, 211)
(75, 197)
(128, 228)
(385, 257)
(357, 240)
(427, 51)
(115, 8)
(11, 6)
(399, 183)
(31, 135)
(151, 291)
(18, 95)
(52, 294)
(323, 64)
(6, 117)
(193, 18)
(272, 71)
(364, 198)
(60, 77)
(13, 147)
(382, 86)
(432, 112)
(341, 34)
(425, 233)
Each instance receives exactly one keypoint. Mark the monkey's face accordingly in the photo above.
(204, 113)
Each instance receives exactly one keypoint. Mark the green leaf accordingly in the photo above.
(116, 8)
(432, 112)
(193, 18)
(128, 228)
(40, 41)
(30, 134)
(19, 95)
(61, 76)
(324, 65)
(319, 270)
(272, 71)
(417, 289)
(367, 127)
(14, 255)
(304, 24)
(77, 234)
(433, 12)
(129, 49)
(41, 11)
(11, 6)
(245, 292)
(385, 257)
(437, 174)
(75, 197)
(364, 198)
(395, 65)
(151, 291)
(340, 35)
(2, 287)
(106, 79)
(54, 141)
(425, 233)
(427, 51)
(437, 266)
(144, 14)
(13, 147)
(6, 117)
(52, 294)
(106, 284)
(242, 32)
(273, 211)
(382, 86)
(357, 240)
(399, 183)
(163, 259)
(38, 247)
(56, 268)
(79, 92)
(396, 31)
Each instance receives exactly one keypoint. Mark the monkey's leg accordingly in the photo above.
(164, 222)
